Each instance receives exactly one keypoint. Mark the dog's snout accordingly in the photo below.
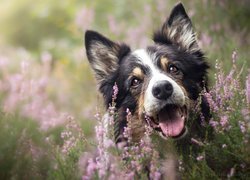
(162, 90)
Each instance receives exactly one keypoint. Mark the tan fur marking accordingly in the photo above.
(141, 104)
(138, 123)
(138, 128)
(137, 72)
(164, 63)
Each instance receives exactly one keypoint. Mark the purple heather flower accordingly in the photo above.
(91, 168)
(28, 93)
(199, 158)
(155, 175)
(242, 126)
(248, 88)
(130, 176)
(213, 123)
(224, 146)
(234, 56)
(109, 143)
(71, 135)
(127, 130)
(211, 102)
(115, 92)
(97, 116)
(246, 114)
(224, 121)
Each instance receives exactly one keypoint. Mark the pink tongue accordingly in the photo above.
(171, 122)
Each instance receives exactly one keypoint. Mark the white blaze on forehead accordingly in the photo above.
(144, 58)
(153, 105)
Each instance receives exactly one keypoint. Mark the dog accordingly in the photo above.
(160, 85)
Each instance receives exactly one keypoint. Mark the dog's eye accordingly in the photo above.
(135, 82)
(173, 69)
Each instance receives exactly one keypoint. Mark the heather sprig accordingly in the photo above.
(248, 89)
(223, 97)
(101, 165)
(130, 161)
(228, 144)
(26, 92)
(72, 135)
(139, 155)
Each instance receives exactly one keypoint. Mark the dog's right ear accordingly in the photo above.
(178, 30)
(103, 54)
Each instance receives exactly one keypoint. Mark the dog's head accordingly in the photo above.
(158, 84)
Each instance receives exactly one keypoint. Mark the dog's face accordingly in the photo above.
(158, 84)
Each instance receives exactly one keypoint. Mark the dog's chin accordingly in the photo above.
(169, 121)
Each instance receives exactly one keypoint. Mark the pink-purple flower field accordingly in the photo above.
(53, 124)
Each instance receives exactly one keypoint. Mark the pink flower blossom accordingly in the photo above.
(211, 102)
(91, 168)
(127, 130)
(27, 91)
(200, 158)
(248, 88)
(224, 121)
(213, 123)
(115, 92)
(242, 126)
(71, 136)
(234, 57)
(130, 176)
(246, 114)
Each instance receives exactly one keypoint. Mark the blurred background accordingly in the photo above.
(45, 78)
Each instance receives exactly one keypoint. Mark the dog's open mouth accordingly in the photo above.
(170, 121)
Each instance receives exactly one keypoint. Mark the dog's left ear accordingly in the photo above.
(103, 54)
(178, 30)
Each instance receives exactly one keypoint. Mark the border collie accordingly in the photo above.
(160, 84)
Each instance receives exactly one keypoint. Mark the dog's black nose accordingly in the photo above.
(162, 90)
